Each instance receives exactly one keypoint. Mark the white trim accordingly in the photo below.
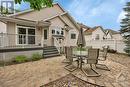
(30, 10)
(55, 16)
(47, 34)
(17, 26)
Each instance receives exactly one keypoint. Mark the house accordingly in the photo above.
(84, 27)
(37, 29)
(97, 37)
(98, 33)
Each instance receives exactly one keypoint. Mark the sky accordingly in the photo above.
(105, 13)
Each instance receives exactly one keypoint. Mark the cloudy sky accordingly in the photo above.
(106, 13)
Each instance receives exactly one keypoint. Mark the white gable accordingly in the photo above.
(109, 36)
(98, 32)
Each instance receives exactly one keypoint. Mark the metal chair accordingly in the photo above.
(91, 59)
(103, 57)
(66, 56)
(69, 57)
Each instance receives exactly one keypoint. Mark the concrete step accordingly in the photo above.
(49, 47)
(50, 51)
(52, 55)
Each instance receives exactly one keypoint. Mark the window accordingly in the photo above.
(73, 36)
(57, 32)
(26, 35)
(97, 37)
(45, 34)
(62, 32)
(31, 36)
(53, 31)
(21, 36)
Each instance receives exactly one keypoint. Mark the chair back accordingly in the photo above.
(69, 54)
(93, 56)
(104, 55)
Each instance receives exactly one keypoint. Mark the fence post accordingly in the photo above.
(115, 42)
(2, 39)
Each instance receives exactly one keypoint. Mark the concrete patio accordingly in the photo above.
(35, 74)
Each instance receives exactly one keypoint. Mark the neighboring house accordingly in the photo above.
(84, 27)
(113, 34)
(48, 27)
(97, 37)
(98, 33)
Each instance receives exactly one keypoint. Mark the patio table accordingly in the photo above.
(80, 55)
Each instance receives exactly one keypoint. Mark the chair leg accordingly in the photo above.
(102, 67)
(89, 74)
(94, 70)
(71, 67)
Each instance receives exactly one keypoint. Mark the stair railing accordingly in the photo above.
(57, 44)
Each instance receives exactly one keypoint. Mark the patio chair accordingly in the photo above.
(66, 56)
(103, 57)
(91, 59)
(69, 57)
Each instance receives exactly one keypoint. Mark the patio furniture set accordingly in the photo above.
(90, 57)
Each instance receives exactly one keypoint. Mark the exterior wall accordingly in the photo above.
(9, 56)
(69, 41)
(42, 14)
(38, 36)
(117, 37)
(98, 31)
(2, 27)
(56, 24)
(88, 37)
(11, 29)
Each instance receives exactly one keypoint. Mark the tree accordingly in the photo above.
(125, 27)
(36, 4)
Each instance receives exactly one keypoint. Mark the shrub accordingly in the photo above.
(112, 51)
(127, 50)
(20, 59)
(36, 56)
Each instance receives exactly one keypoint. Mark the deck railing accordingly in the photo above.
(20, 40)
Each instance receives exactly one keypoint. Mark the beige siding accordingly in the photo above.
(11, 29)
(2, 27)
(117, 37)
(88, 37)
(69, 22)
(72, 42)
(38, 37)
(69, 41)
(57, 22)
(98, 31)
(42, 14)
